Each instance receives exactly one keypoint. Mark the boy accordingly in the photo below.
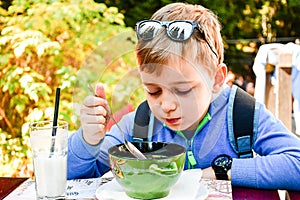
(182, 70)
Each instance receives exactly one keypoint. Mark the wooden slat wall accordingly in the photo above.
(279, 102)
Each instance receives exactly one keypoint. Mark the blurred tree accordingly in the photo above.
(283, 19)
(43, 43)
(5, 4)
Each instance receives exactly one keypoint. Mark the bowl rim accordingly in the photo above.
(157, 158)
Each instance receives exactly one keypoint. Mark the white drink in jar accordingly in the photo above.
(50, 159)
(50, 175)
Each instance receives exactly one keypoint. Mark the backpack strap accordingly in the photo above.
(143, 123)
(241, 111)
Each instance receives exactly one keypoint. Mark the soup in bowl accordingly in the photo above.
(151, 178)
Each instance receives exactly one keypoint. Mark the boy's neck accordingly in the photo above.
(214, 96)
(189, 134)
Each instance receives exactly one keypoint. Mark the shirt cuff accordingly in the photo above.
(81, 146)
(243, 173)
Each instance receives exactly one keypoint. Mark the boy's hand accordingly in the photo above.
(208, 173)
(94, 116)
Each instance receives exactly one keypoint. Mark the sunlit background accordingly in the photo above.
(48, 44)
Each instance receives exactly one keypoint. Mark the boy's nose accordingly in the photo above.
(168, 105)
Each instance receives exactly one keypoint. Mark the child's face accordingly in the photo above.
(179, 95)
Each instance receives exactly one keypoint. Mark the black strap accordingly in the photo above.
(141, 122)
(243, 117)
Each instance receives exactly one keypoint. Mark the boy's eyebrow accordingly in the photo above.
(175, 83)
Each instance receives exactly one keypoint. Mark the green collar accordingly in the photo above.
(203, 122)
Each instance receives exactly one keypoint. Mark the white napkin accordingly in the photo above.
(187, 187)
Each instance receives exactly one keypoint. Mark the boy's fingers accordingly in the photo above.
(95, 110)
(100, 91)
(92, 101)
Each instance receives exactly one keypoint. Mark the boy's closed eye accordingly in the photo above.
(182, 91)
(158, 92)
(178, 91)
(153, 90)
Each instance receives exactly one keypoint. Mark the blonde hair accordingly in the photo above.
(161, 48)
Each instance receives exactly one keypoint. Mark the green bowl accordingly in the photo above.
(151, 178)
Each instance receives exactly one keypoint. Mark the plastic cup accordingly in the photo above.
(49, 158)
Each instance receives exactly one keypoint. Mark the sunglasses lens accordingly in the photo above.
(148, 30)
(180, 31)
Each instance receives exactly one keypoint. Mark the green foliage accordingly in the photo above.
(246, 24)
(43, 44)
(46, 44)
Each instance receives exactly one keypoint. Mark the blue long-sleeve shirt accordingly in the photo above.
(276, 165)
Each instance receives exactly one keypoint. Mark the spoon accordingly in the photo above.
(131, 148)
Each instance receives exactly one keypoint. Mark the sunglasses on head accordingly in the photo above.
(178, 30)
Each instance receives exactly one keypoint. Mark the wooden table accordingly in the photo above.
(7, 185)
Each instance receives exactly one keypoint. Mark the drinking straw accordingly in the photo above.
(56, 111)
(54, 128)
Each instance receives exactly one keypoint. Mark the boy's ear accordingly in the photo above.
(220, 77)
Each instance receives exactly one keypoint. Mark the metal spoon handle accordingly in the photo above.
(133, 150)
